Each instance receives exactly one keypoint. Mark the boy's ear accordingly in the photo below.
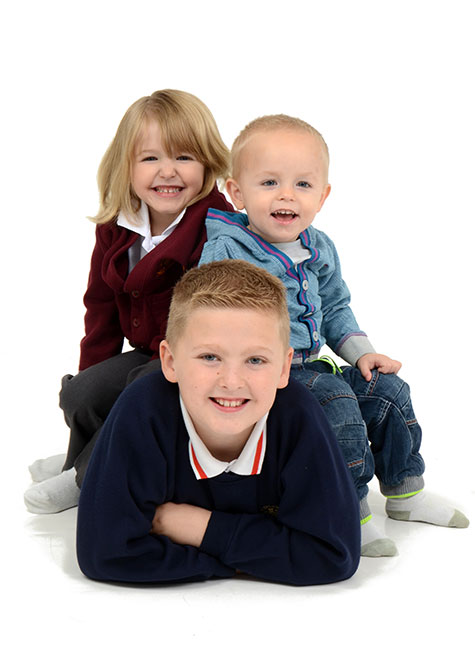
(168, 362)
(324, 196)
(234, 191)
(284, 377)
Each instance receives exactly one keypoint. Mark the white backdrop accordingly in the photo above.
(391, 87)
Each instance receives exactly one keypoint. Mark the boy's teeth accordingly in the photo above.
(229, 403)
(284, 212)
(167, 190)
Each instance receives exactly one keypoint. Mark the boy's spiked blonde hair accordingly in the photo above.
(227, 284)
(186, 125)
(272, 123)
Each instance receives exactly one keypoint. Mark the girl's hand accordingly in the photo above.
(384, 364)
(181, 522)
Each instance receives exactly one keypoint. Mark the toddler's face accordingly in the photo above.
(282, 183)
(165, 183)
(228, 364)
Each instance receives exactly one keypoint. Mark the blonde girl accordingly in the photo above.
(157, 181)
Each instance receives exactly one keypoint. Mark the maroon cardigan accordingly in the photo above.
(135, 305)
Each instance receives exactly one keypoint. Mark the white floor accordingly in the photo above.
(421, 598)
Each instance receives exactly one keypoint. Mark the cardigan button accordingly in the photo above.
(305, 285)
(136, 322)
(315, 336)
(135, 293)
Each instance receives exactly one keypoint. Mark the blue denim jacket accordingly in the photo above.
(317, 297)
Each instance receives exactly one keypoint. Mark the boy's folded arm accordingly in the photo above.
(315, 536)
(181, 522)
(117, 506)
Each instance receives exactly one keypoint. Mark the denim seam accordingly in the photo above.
(387, 405)
(332, 397)
(355, 463)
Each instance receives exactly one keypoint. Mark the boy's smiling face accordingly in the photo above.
(229, 364)
(281, 182)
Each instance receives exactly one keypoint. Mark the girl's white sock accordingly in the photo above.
(44, 468)
(54, 494)
(426, 508)
(374, 543)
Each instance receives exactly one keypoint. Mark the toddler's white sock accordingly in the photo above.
(54, 494)
(374, 543)
(426, 508)
(44, 468)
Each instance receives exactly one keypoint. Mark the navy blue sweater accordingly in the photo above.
(297, 522)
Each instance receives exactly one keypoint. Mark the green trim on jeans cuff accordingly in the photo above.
(404, 496)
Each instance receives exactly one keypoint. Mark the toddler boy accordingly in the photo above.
(280, 176)
(217, 466)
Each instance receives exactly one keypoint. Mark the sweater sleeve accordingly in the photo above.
(128, 476)
(315, 537)
(103, 333)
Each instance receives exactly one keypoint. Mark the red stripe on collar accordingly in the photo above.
(199, 469)
(257, 457)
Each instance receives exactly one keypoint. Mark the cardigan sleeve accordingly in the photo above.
(125, 481)
(315, 536)
(103, 333)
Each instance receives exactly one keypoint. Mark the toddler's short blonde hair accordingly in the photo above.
(272, 123)
(227, 284)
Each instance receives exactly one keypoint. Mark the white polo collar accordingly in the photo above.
(248, 463)
(143, 228)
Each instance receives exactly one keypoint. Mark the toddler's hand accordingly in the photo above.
(384, 364)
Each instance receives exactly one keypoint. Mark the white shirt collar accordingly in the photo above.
(143, 228)
(249, 461)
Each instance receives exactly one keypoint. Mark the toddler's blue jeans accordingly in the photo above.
(374, 423)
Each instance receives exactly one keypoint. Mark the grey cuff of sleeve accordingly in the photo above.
(354, 347)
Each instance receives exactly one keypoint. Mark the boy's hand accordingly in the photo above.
(384, 364)
(181, 522)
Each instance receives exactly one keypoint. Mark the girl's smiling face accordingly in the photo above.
(166, 183)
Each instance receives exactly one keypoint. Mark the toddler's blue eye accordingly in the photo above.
(269, 183)
(208, 357)
(184, 157)
(149, 158)
(303, 184)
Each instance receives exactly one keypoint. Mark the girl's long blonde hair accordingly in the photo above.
(186, 125)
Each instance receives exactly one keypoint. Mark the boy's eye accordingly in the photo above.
(208, 357)
(184, 156)
(256, 361)
(303, 184)
(269, 183)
